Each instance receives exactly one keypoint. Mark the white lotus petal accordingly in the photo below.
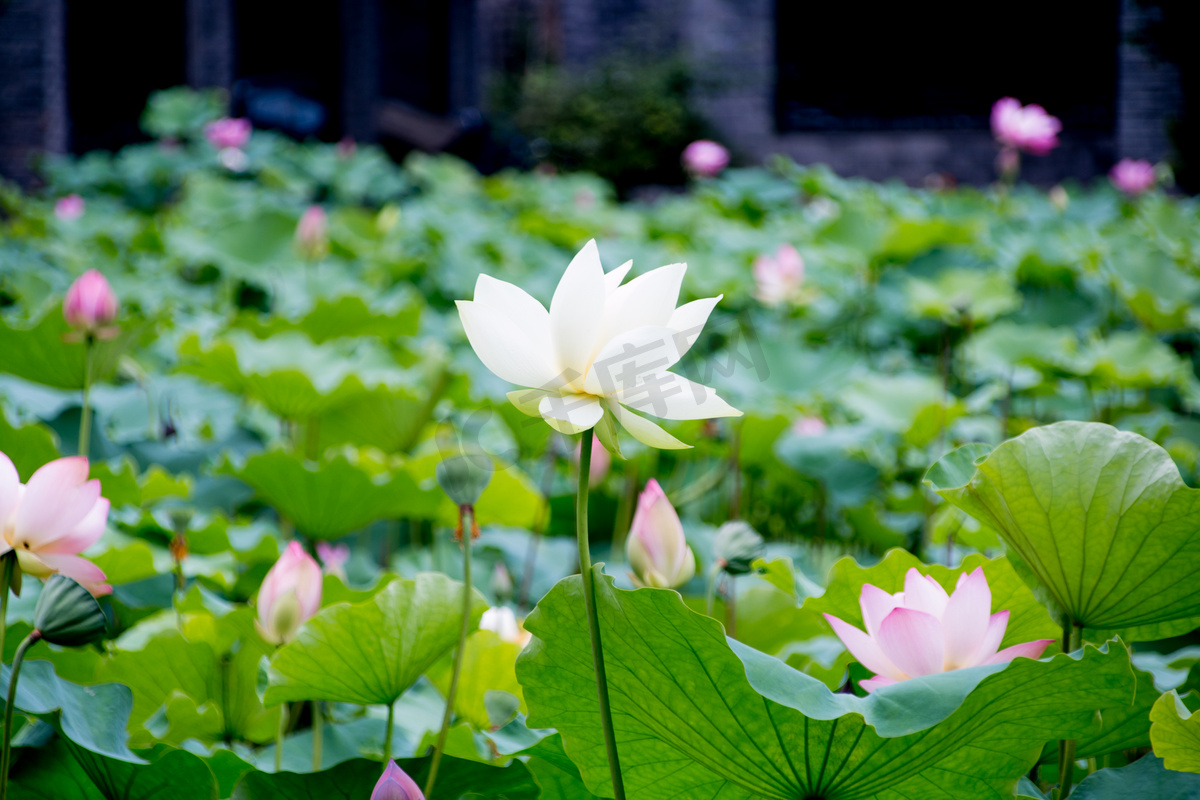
(671, 396)
(644, 430)
(519, 306)
(613, 279)
(688, 320)
(630, 357)
(526, 400)
(646, 300)
(571, 413)
(504, 348)
(577, 312)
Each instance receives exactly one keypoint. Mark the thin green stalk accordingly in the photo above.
(10, 564)
(6, 754)
(466, 523)
(1072, 635)
(85, 416)
(318, 724)
(279, 734)
(731, 606)
(589, 599)
(710, 591)
(387, 737)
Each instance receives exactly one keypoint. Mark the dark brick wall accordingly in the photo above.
(32, 90)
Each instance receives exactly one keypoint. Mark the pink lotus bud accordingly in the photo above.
(347, 147)
(228, 132)
(312, 233)
(657, 549)
(601, 461)
(289, 596)
(396, 785)
(922, 630)
(705, 159)
(333, 558)
(52, 519)
(1133, 177)
(90, 305)
(1027, 128)
(809, 426)
(69, 208)
(503, 622)
(778, 278)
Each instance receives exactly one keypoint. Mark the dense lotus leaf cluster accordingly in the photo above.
(976, 387)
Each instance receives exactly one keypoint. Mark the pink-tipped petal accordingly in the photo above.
(79, 568)
(396, 785)
(965, 620)
(1032, 649)
(997, 625)
(10, 489)
(871, 684)
(864, 648)
(83, 535)
(876, 604)
(923, 593)
(57, 498)
(912, 640)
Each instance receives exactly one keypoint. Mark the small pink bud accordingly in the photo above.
(778, 278)
(1133, 177)
(333, 558)
(289, 596)
(657, 549)
(69, 208)
(396, 785)
(705, 159)
(228, 132)
(809, 426)
(312, 233)
(90, 305)
(1027, 128)
(347, 147)
(601, 461)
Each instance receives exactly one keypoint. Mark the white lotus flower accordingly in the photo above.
(602, 351)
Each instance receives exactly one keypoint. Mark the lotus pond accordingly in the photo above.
(886, 495)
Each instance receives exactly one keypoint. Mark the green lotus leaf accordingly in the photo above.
(65, 771)
(1123, 727)
(1099, 516)
(328, 499)
(699, 716)
(123, 485)
(1028, 619)
(1175, 733)
(290, 375)
(355, 780)
(962, 296)
(29, 446)
(346, 316)
(1144, 779)
(370, 653)
(37, 352)
(1135, 359)
(487, 666)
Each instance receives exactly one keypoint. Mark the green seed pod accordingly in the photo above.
(465, 477)
(738, 545)
(67, 614)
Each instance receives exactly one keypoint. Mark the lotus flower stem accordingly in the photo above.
(731, 606)
(33, 638)
(387, 737)
(10, 564)
(589, 598)
(279, 734)
(1072, 640)
(85, 415)
(466, 525)
(710, 592)
(317, 731)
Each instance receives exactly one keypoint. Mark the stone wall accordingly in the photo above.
(32, 84)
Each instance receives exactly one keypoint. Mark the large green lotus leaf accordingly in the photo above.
(370, 653)
(1144, 779)
(555, 772)
(386, 419)
(697, 715)
(28, 446)
(1124, 727)
(962, 296)
(65, 771)
(1100, 516)
(488, 666)
(290, 375)
(1028, 619)
(1135, 359)
(123, 484)
(1019, 352)
(38, 353)
(1157, 291)
(1175, 733)
(91, 716)
(328, 499)
(355, 780)
(388, 318)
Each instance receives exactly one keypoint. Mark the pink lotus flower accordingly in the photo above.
(704, 158)
(228, 132)
(312, 233)
(656, 548)
(809, 426)
(778, 278)
(333, 558)
(1027, 128)
(69, 208)
(922, 630)
(289, 596)
(396, 785)
(1133, 177)
(90, 305)
(601, 461)
(52, 519)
